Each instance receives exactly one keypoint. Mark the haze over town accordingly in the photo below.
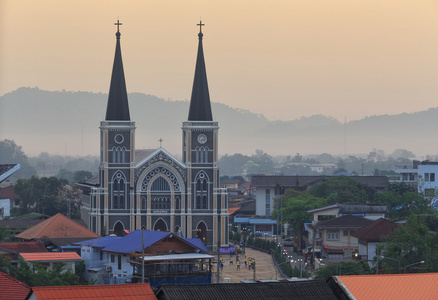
(282, 59)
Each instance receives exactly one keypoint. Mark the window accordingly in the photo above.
(113, 259)
(268, 212)
(429, 177)
(268, 196)
(119, 262)
(345, 232)
(332, 235)
(405, 176)
(325, 217)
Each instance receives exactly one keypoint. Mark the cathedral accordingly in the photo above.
(150, 188)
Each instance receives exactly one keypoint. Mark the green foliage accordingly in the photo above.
(47, 195)
(295, 206)
(342, 189)
(10, 153)
(402, 203)
(36, 275)
(410, 243)
(341, 268)
(82, 176)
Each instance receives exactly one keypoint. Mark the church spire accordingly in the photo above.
(117, 108)
(200, 108)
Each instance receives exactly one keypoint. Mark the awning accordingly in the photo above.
(178, 257)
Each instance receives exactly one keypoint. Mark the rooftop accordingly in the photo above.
(12, 289)
(132, 291)
(390, 286)
(50, 256)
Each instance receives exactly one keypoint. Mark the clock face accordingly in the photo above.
(118, 139)
(202, 138)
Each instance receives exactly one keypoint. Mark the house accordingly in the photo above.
(58, 233)
(290, 290)
(8, 200)
(371, 212)
(12, 289)
(387, 286)
(49, 259)
(269, 188)
(168, 259)
(371, 235)
(333, 238)
(89, 292)
(11, 250)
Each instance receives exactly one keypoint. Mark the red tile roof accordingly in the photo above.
(50, 256)
(390, 286)
(58, 226)
(23, 247)
(8, 193)
(375, 231)
(132, 291)
(12, 289)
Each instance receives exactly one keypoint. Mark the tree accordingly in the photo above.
(69, 199)
(36, 275)
(10, 153)
(40, 195)
(82, 176)
(342, 268)
(233, 164)
(294, 208)
(402, 203)
(410, 243)
(342, 189)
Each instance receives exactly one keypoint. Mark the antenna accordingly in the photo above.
(345, 135)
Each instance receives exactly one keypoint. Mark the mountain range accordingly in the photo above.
(67, 123)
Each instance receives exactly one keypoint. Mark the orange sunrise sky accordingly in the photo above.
(283, 59)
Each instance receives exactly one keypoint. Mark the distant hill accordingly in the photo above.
(65, 122)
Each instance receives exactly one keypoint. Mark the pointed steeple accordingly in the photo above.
(200, 107)
(117, 108)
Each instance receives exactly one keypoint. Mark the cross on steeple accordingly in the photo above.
(200, 25)
(118, 24)
(160, 140)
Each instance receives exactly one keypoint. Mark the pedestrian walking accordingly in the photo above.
(231, 260)
(238, 265)
(245, 261)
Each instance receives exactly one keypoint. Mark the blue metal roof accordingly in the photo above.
(132, 242)
(99, 242)
(198, 244)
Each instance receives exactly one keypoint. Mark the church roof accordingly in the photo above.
(117, 108)
(200, 107)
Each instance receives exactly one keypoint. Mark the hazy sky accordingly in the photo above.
(283, 59)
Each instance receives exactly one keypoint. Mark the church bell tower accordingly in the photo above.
(206, 202)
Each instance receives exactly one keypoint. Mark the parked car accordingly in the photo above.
(288, 242)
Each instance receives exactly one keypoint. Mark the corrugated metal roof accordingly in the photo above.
(12, 289)
(131, 291)
(178, 256)
(302, 290)
(391, 286)
(133, 241)
(23, 247)
(344, 221)
(99, 242)
(50, 256)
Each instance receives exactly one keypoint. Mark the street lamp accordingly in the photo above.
(142, 253)
(414, 264)
(399, 263)
(301, 269)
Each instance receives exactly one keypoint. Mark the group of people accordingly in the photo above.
(248, 261)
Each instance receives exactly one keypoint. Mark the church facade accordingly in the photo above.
(150, 187)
